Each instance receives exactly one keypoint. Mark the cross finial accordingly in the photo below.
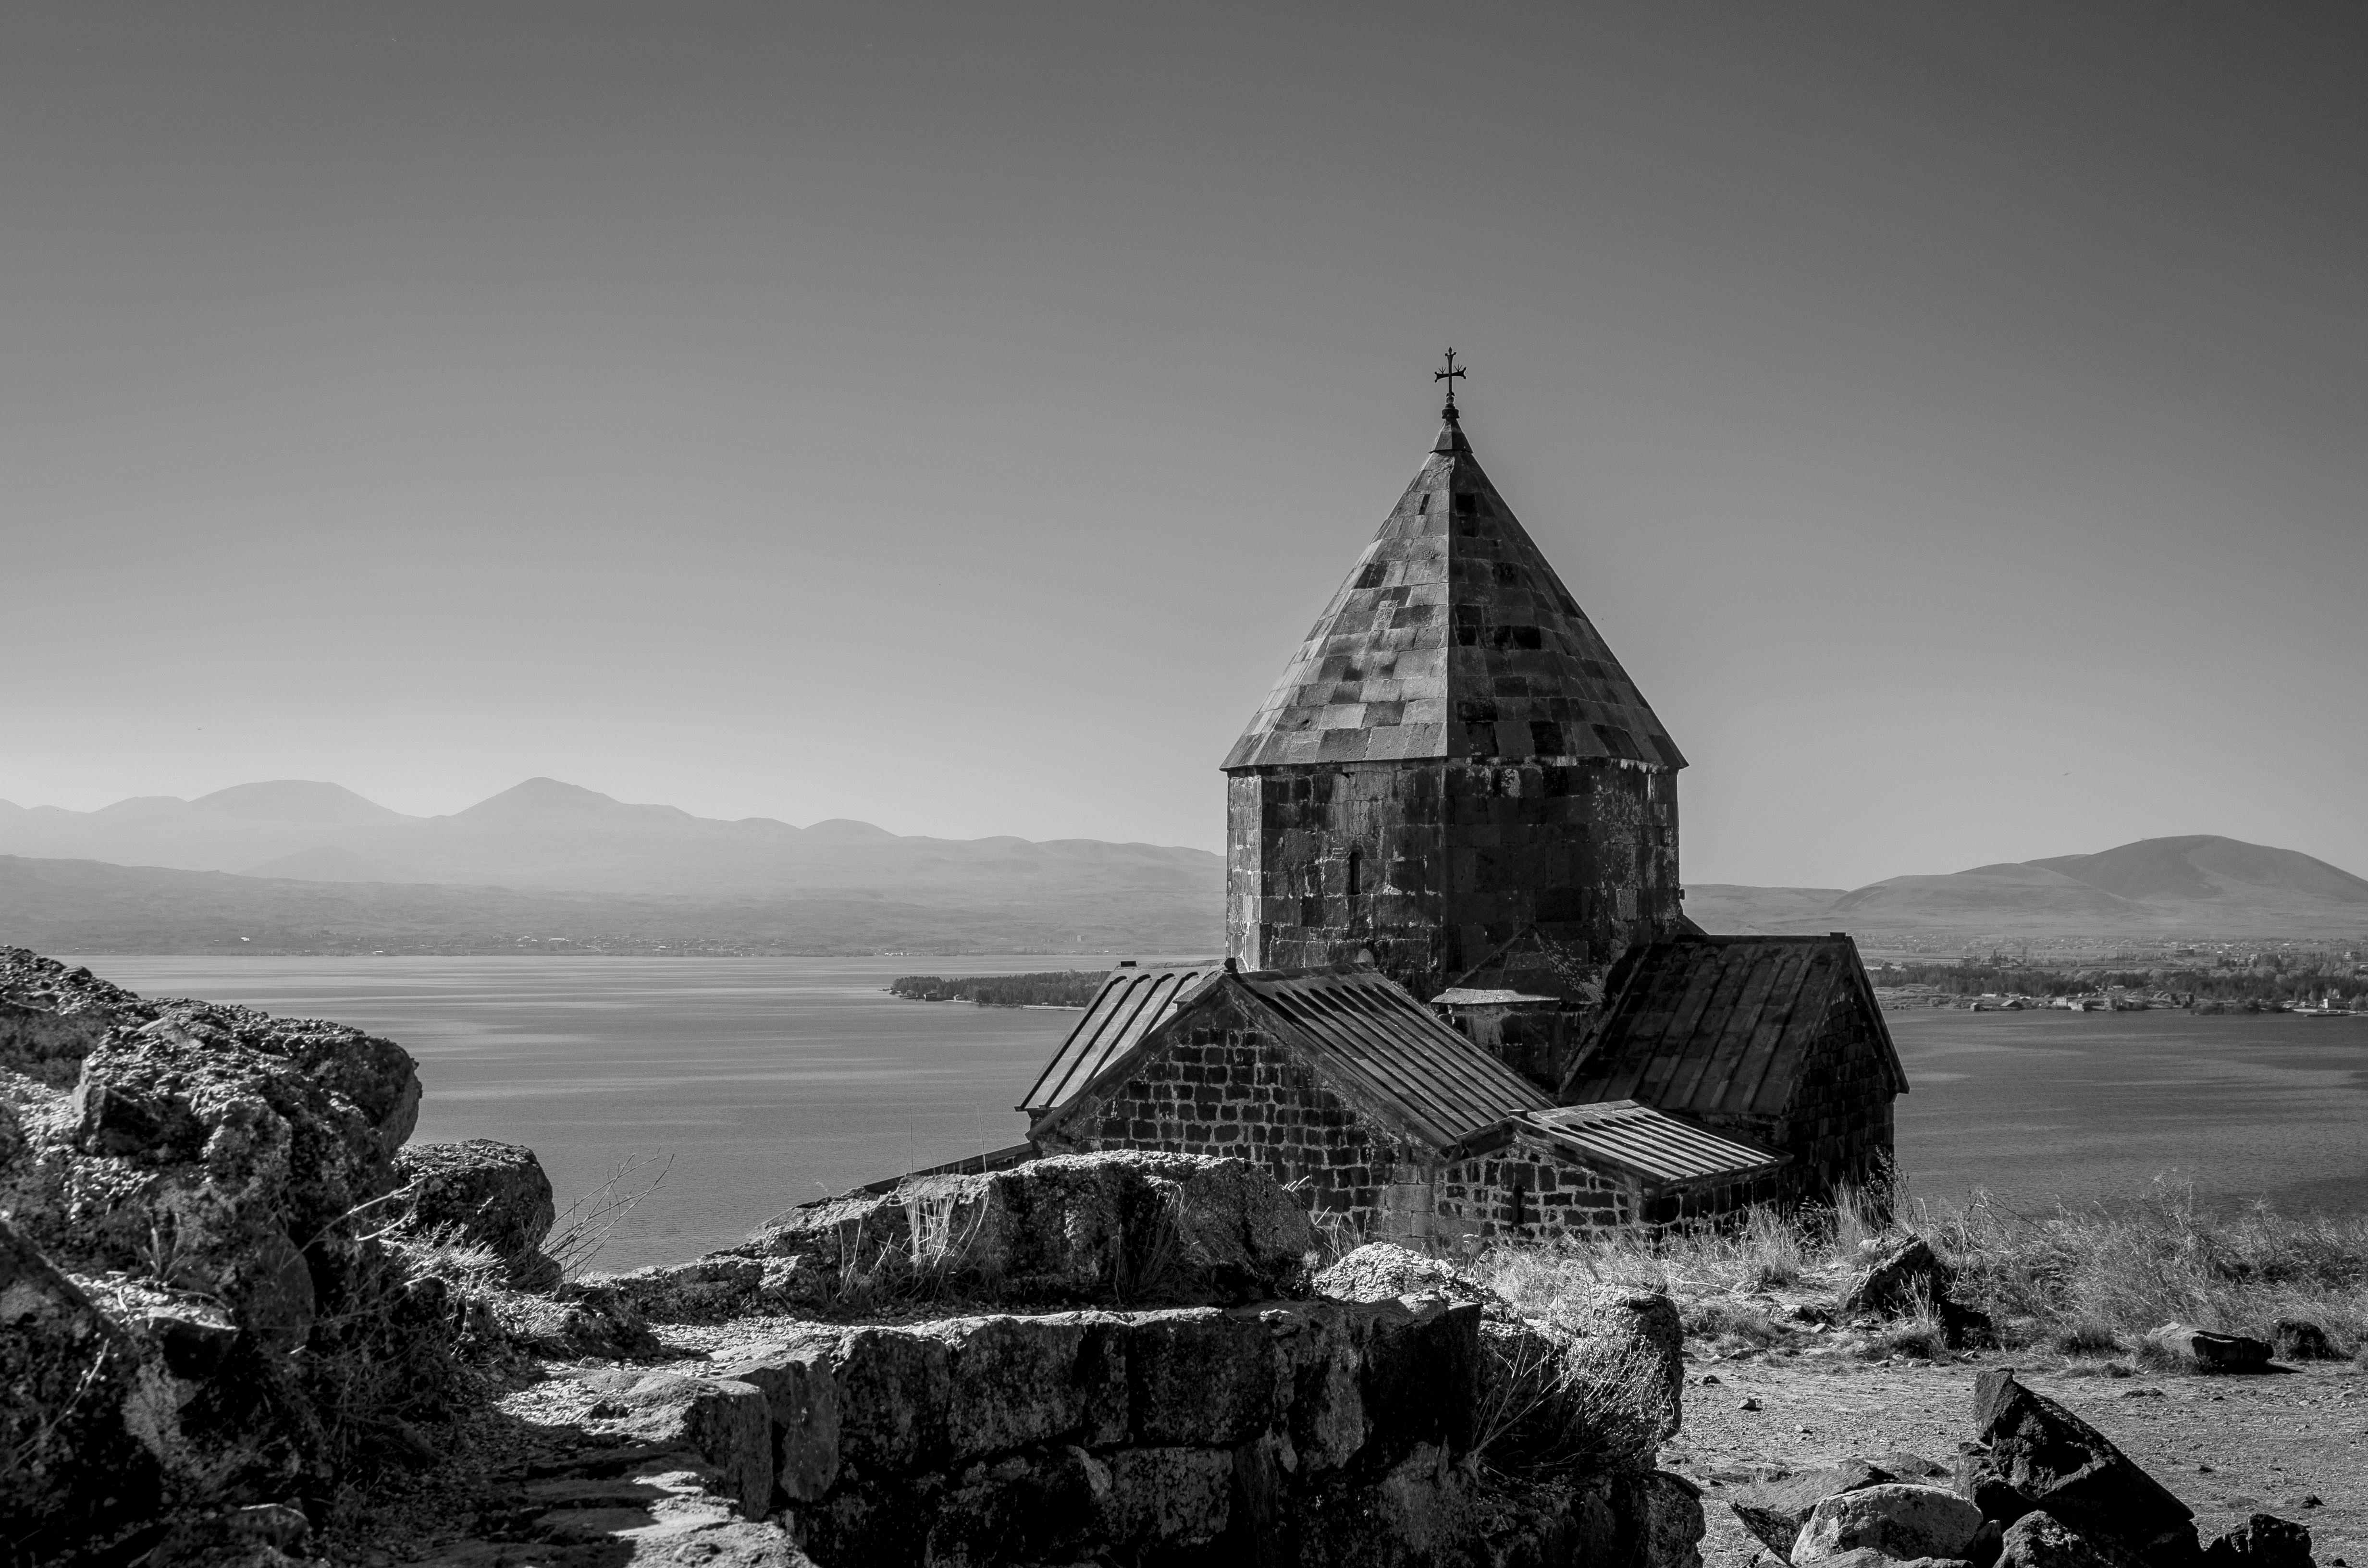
(1452, 374)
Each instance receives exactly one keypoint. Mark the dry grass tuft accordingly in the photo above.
(2087, 1282)
(585, 1227)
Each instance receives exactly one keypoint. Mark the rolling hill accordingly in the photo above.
(307, 865)
(2199, 884)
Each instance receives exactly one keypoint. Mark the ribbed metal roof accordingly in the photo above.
(1652, 1144)
(1130, 1002)
(1369, 1030)
(1710, 1024)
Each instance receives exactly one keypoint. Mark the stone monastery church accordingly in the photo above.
(1463, 999)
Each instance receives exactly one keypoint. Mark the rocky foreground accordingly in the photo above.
(246, 1323)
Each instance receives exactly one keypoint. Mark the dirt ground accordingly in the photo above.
(2294, 1444)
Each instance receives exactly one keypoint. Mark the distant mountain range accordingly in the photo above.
(296, 865)
(2199, 884)
(317, 866)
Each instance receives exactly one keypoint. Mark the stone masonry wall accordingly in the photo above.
(1430, 866)
(1293, 1433)
(1233, 1091)
(1838, 1126)
(1526, 1191)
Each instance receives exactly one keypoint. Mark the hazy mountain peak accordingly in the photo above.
(2204, 865)
(553, 803)
(297, 800)
(846, 830)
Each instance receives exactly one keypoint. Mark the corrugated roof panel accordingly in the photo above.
(1441, 1083)
(1705, 1024)
(1653, 1144)
(1130, 1003)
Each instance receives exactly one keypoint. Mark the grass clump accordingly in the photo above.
(2099, 1277)
(2089, 1282)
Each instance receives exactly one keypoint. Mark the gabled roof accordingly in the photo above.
(1130, 1001)
(1358, 1025)
(1652, 1144)
(1371, 1030)
(1707, 1024)
(1453, 638)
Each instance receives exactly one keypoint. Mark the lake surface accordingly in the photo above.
(771, 1081)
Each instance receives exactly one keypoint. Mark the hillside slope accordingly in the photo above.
(547, 833)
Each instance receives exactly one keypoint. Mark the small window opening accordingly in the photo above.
(1467, 506)
(1520, 1215)
(1356, 873)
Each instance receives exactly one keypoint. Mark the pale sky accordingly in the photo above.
(953, 416)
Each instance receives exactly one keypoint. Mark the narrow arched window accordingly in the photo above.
(1356, 873)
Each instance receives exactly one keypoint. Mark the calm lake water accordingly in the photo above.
(770, 1081)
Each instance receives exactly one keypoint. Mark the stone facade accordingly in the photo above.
(1529, 1191)
(1226, 1088)
(1430, 867)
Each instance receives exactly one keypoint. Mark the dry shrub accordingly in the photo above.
(1732, 1326)
(585, 1227)
(445, 1253)
(1920, 1332)
(2099, 1273)
(1547, 1406)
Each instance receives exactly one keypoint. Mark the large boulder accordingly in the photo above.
(1898, 1520)
(2041, 1541)
(1598, 1377)
(209, 1181)
(2263, 1540)
(1906, 1271)
(484, 1194)
(2031, 1454)
(1123, 1228)
(68, 1461)
(2207, 1351)
(1775, 1509)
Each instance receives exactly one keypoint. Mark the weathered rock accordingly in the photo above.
(1892, 1517)
(582, 1320)
(1910, 1270)
(2033, 1453)
(1776, 1509)
(223, 1172)
(2262, 1541)
(1170, 1496)
(2210, 1352)
(2040, 1540)
(725, 1423)
(485, 1194)
(798, 1382)
(1379, 1270)
(718, 1288)
(1127, 1227)
(1600, 1377)
(68, 1461)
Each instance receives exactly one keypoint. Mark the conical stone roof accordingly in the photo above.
(1452, 638)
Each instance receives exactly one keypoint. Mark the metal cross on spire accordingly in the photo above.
(1451, 376)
